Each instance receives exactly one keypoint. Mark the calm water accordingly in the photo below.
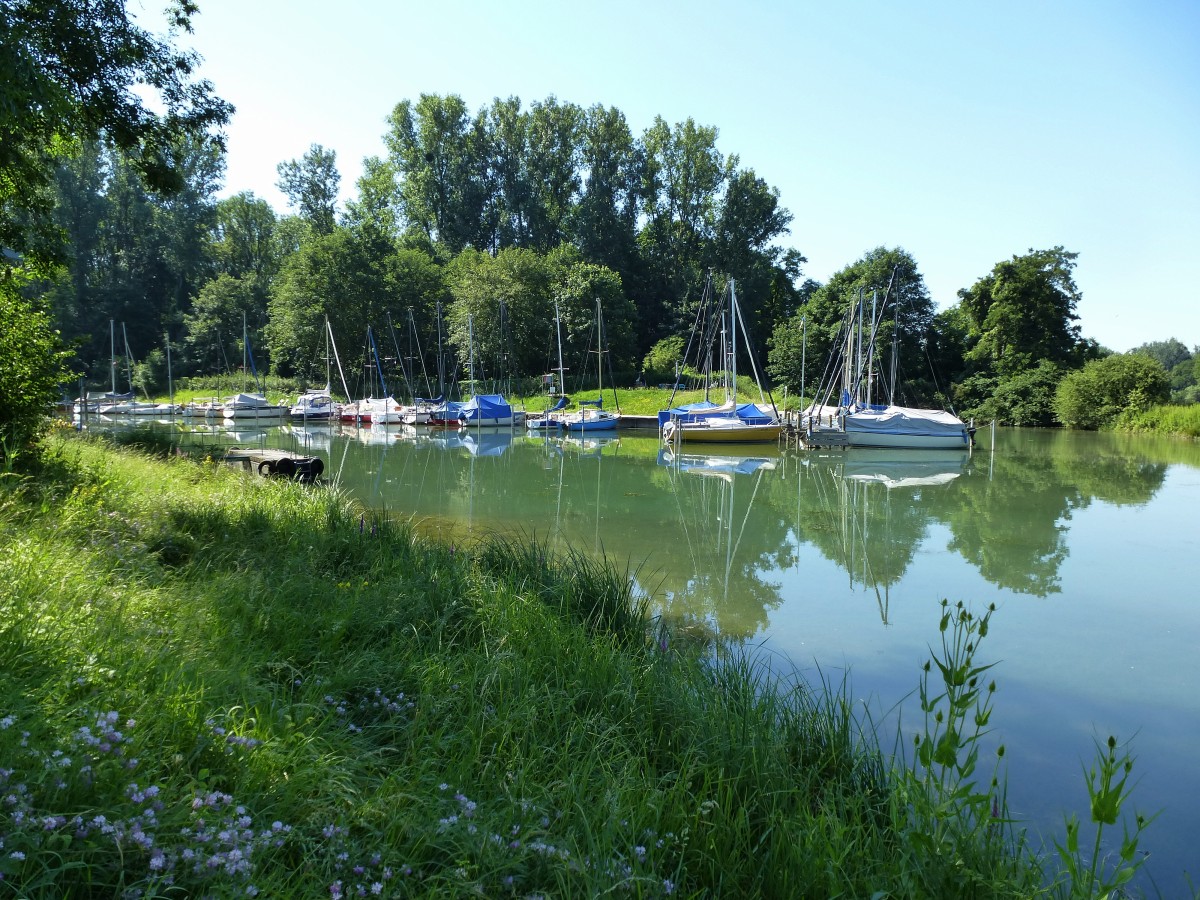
(1087, 544)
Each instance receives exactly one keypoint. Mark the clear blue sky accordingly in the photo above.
(965, 133)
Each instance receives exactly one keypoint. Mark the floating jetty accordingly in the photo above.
(277, 463)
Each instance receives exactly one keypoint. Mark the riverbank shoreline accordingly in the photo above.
(430, 718)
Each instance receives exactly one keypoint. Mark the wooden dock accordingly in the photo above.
(276, 463)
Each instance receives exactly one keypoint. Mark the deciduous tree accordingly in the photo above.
(311, 185)
(1024, 312)
(74, 71)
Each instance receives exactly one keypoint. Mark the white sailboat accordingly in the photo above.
(857, 420)
(728, 422)
(317, 404)
(246, 406)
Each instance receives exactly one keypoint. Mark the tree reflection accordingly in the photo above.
(716, 536)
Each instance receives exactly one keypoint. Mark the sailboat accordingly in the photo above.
(125, 405)
(317, 404)
(595, 417)
(483, 410)
(856, 420)
(728, 422)
(551, 420)
(251, 406)
(91, 401)
(385, 410)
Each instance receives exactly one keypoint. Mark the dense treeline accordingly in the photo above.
(476, 228)
(481, 226)
(498, 214)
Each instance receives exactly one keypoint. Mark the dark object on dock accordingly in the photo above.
(277, 463)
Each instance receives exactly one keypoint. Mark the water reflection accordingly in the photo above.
(871, 512)
(727, 549)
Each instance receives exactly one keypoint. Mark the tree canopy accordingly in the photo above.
(885, 279)
(112, 150)
(75, 71)
(1024, 311)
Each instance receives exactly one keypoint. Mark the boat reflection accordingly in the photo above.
(715, 496)
(862, 509)
(904, 468)
(486, 441)
(589, 446)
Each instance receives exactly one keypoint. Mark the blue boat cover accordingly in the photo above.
(486, 406)
(753, 414)
(487, 443)
(750, 413)
(689, 412)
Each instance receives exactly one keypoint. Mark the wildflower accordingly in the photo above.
(7, 722)
(668, 886)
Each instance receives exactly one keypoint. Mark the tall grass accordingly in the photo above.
(227, 686)
(1178, 420)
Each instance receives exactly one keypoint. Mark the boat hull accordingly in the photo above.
(592, 423)
(704, 432)
(908, 441)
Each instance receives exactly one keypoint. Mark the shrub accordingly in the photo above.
(1094, 396)
(35, 365)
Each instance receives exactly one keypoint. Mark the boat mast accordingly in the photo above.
(128, 358)
(562, 377)
(378, 365)
(733, 340)
(471, 353)
(328, 361)
(330, 342)
(441, 362)
(870, 396)
(599, 352)
(245, 350)
(858, 353)
(112, 353)
(803, 357)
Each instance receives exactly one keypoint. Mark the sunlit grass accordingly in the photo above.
(1179, 420)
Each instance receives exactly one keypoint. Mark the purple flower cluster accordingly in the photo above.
(374, 709)
(145, 837)
(509, 853)
(231, 740)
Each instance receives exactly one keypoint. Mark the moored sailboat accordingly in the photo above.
(594, 417)
(728, 422)
(856, 420)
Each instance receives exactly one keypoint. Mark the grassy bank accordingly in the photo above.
(1166, 420)
(222, 685)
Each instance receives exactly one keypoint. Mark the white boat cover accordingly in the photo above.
(902, 420)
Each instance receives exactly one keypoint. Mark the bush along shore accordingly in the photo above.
(215, 685)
